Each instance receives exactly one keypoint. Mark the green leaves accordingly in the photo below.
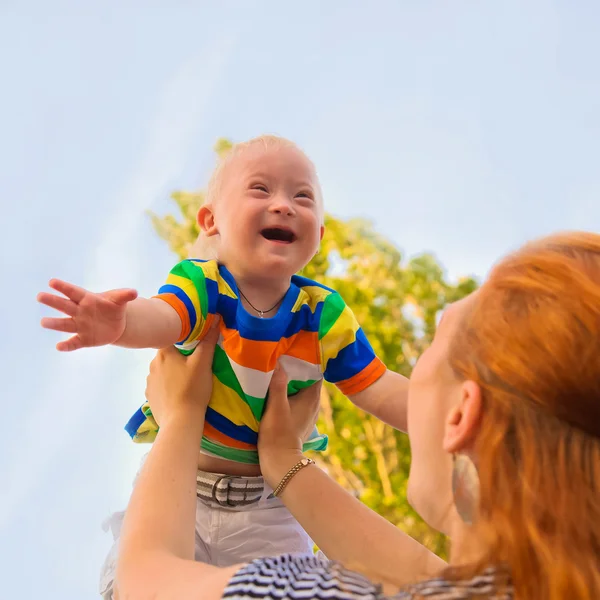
(397, 303)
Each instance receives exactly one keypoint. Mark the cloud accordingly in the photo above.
(116, 256)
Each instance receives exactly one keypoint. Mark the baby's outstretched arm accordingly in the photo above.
(386, 399)
(115, 317)
(151, 323)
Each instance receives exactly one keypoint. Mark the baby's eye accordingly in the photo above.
(304, 195)
(260, 187)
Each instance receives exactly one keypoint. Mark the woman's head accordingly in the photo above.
(513, 381)
(263, 209)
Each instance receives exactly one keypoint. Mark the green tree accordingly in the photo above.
(397, 303)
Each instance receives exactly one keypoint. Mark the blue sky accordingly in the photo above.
(460, 128)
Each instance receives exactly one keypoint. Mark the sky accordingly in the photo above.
(459, 128)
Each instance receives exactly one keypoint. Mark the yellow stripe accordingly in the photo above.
(210, 268)
(227, 403)
(341, 334)
(311, 295)
(224, 288)
(188, 287)
(211, 271)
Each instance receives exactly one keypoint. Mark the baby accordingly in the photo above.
(262, 222)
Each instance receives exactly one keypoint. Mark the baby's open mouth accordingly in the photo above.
(276, 234)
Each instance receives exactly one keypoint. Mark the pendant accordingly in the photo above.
(261, 314)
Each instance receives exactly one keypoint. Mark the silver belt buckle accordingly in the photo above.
(218, 487)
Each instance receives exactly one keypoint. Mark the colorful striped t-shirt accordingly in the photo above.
(314, 335)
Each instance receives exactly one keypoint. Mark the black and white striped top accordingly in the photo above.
(289, 577)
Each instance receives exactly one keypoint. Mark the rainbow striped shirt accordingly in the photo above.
(314, 335)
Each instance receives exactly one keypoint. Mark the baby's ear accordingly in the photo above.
(206, 220)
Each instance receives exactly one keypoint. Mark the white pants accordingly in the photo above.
(227, 535)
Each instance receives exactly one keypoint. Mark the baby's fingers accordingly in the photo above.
(73, 343)
(62, 304)
(71, 291)
(66, 325)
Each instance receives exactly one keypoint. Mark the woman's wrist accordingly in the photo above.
(189, 421)
(276, 468)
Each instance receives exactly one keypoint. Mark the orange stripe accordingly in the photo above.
(206, 326)
(216, 436)
(262, 356)
(174, 302)
(303, 345)
(252, 354)
(361, 381)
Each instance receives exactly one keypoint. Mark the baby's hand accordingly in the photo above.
(95, 319)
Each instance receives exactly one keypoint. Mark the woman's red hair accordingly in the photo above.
(531, 340)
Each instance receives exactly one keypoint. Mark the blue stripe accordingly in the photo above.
(197, 260)
(241, 433)
(305, 282)
(134, 423)
(304, 320)
(177, 291)
(227, 308)
(351, 360)
(301, 320)
(212, 293)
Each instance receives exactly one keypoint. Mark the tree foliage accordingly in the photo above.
(397, 303)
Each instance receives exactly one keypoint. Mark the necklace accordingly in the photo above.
(261, 313)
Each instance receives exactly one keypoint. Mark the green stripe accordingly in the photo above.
(249, 457)
(317, 444)
(295, 386)
(257, 406)
(195, 274)
(333, 307)
(224, 372)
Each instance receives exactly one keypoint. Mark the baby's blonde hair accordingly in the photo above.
(207, 247)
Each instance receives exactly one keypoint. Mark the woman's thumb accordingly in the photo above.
(278, 399)
(212, 335)
(206, 346)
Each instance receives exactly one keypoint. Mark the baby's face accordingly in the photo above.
(269, 213)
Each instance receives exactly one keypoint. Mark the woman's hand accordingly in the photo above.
(285, 425)
(180, 384)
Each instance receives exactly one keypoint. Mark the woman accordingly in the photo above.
(504, 424)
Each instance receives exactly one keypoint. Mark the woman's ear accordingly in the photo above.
(463, 420)
(206, 220)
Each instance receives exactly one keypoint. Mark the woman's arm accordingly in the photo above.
(156, 556)
(343, 527)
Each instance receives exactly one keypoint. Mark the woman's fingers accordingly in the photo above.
(304, 409)
(311, 394)
(206, 348)
(277, 402)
